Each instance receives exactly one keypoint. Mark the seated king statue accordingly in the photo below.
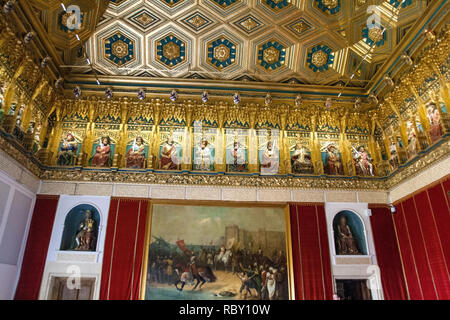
(68, 151)
(102, 153)
(169, 159)
(136, 155)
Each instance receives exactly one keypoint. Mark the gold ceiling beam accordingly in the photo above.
(165, 85)
(24, 8)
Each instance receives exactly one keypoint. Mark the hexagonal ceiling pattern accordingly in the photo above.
(322, 42)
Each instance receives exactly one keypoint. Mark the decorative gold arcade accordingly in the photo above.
(299, 140)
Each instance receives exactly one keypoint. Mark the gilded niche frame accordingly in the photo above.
(207, 203)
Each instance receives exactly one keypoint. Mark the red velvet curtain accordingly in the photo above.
(388, 256)
(124, 247)
(310, 252)
(33, 263)
(422, 224)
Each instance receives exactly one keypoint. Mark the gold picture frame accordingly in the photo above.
(288, 237)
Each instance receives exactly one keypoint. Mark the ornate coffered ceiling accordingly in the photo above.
(324, 43)
(294, 41)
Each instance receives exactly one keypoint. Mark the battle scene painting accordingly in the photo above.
(202, 252)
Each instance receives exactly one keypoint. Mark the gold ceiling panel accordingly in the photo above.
(317, 41)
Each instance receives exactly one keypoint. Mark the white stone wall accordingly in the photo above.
(17, 196)
(217, 193)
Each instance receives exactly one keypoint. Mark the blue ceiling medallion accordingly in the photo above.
(330, 6)
(271, 55)
(396, 3)
(221, 53)
(374, 35)
(277, 4)
(119, 49)
(171, 50)
(319, 58)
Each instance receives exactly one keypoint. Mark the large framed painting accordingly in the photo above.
(217, 251)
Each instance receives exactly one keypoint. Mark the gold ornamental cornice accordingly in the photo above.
(123, 85)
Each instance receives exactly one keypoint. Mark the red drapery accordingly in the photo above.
(388, 257)
(422, 224)
(33, 263)
(310, 252)
(123, 253)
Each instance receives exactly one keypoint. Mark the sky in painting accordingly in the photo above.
(203, 224)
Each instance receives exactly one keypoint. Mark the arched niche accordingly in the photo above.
(349, 234)
(80, 230)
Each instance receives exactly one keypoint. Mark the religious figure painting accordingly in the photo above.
(301, 162)
(2, 100)
(237, 157)
(170, 154)
(363, 162)
(81, 229)
(269, 158)
(394, 160)
(103, 152)
(204, 156)
(411, 149)
(68, 150)
(136, 154)
(207, 252)
(349, 234)
(332, 160)
(435, 123)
